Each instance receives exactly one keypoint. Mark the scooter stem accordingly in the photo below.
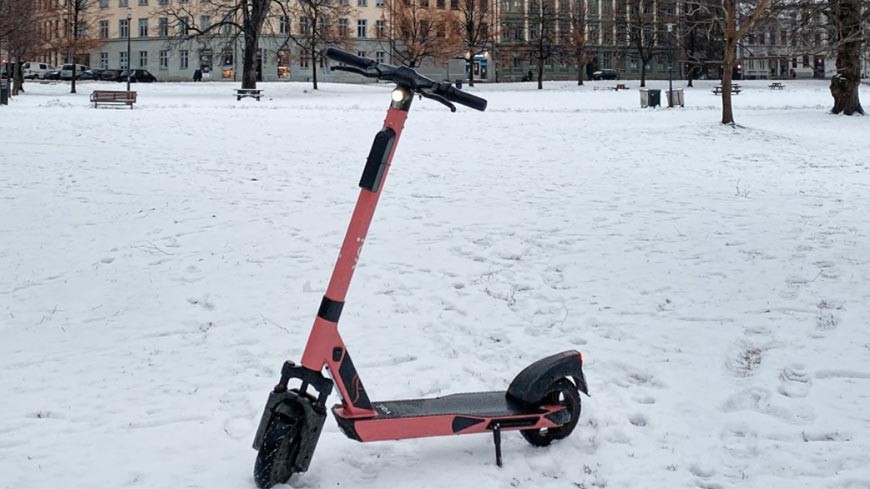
(324, 333)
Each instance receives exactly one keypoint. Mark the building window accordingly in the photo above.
(454, 4)
(361, 28)
(104, 29)
(284, 25)
(143, 27)
(123, 28)
(361, 54)
(122, 3)
(439, 4)
(162, 2)
(379, 3)
(143, 59)
(303, 60)
(182, 55)
(204, 22)
(381, 28)
(104, 61)
(164, 60)
(342, 28)
(123, 60)
(183, 24)
(163, 27)
(362, 3)
(143, 3)
(104, 3)
(381, 57)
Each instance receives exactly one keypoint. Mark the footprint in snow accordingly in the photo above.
(795, 381)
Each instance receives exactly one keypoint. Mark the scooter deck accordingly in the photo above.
(481, 404)
(455, 414)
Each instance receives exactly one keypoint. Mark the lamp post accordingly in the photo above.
(129, 61)
(670, 65)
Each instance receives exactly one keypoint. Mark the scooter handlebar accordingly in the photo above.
(349, 59)
(464, 98)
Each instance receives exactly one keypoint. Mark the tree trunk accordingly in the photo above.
(72, 83)
(313, 66)
(581, 68)
(690, 75)
(540, 74)
(642, 72)
(469, 63)
(845, 84)
(17, 77)
(727, 73)
(249, 61)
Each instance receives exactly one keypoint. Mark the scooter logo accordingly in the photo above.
(361, 241)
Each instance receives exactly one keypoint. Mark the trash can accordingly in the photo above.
(4, 91)
(650, 98)
(459, 84)
(675, 98)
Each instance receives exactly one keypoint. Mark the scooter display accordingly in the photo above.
(542, 402)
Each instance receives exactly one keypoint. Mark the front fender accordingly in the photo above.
(530, 385)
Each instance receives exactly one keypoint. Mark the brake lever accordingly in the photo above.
(438, 98)
(354, 69)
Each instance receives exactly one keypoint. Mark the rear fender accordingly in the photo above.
(530, 385)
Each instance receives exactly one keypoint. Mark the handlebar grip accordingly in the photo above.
(465, 98)
(348, 58)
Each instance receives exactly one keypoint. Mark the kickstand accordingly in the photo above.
(496, 437)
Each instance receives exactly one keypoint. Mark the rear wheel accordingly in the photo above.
(277, 455)
(562, 392)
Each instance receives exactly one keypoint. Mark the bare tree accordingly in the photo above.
(544, 44)
(322, 23)
(421, 31)
(576, 37)
(473, 28)
(739, 16)
(846, 17)
(643, 32)
(235, 19)
(18, 35)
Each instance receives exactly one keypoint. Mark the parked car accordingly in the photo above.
(52, 74)
(143, 76)
(605, 74)
(802, 72)
(110, 75)
(92, 74)
(67, 69)
(33, 70)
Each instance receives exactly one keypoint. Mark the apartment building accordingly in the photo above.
(159, 42)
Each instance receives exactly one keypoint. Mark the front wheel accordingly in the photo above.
(277, 455)
(562, 392)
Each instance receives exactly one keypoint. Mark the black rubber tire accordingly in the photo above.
(277, 455)
(564, 392)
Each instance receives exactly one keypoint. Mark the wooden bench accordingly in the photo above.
(248, 92)
(776, 86)
(735, 89)
(113, 97)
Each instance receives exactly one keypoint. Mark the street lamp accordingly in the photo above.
(129, 61)
(670, 65)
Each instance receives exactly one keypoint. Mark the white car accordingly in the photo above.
(33, 69)
(66, 71)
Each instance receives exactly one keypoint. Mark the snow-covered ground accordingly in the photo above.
(158, 265)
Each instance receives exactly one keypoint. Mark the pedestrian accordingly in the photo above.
(197, 75)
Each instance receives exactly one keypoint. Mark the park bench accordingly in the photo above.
(113, 97)
(248, 92)
(735, 89)
(776, 86)
(620, 86)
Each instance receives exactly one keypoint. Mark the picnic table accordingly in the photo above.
(776, 86)
(248, 92)
(735, 89)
